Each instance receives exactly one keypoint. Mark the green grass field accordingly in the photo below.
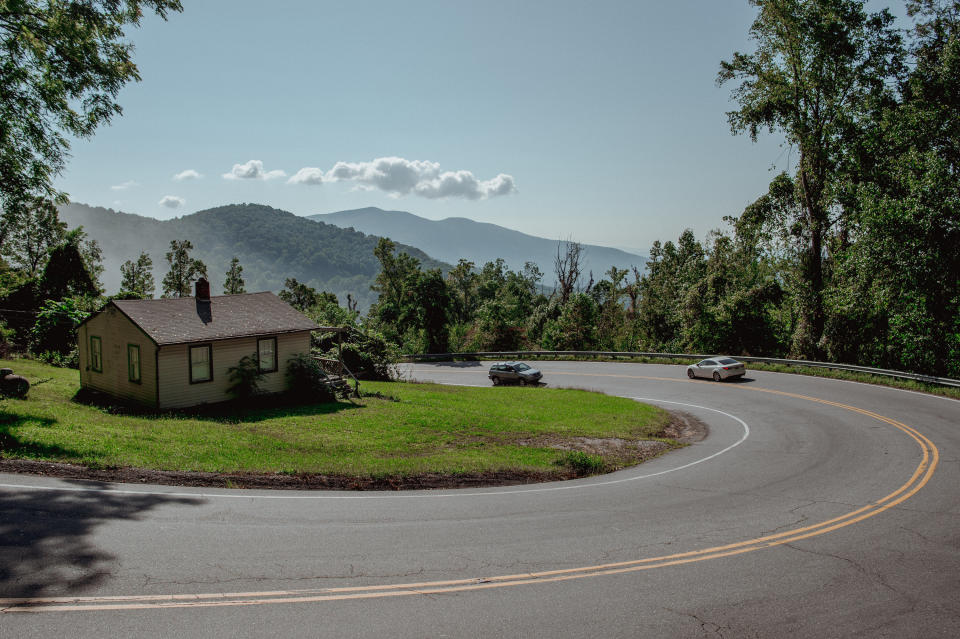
(410, 429)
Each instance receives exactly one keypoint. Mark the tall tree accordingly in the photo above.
(184, 270)
(234, 282)
(32, 234)
(902, 292)
(303, 297)
(462, 283)
(819, 69)
(567, 267)
(62, 66)
(66, 273)
(137, 277)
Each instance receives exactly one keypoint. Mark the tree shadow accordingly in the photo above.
(464, 364)
(45, 545)
(13, 446)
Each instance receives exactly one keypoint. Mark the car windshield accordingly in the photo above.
(729, 361)
(521, 367)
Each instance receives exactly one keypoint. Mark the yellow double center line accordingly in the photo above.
(919, 478)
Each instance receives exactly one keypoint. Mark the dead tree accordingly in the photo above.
(567, 267)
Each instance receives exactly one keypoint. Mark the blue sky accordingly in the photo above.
(596, 121)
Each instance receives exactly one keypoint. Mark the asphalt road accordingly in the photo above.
(815, 508)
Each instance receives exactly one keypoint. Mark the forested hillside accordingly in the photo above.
(272, 245)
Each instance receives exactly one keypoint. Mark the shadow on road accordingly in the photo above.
(457, 364)
(45, 545)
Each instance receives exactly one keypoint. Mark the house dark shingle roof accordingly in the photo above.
(187, 319)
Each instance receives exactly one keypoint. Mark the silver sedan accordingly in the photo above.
(718, 368)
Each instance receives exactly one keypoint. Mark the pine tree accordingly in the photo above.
(234, 282)
(138, 277)
(183, 270)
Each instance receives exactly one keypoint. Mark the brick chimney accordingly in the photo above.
(203, 290)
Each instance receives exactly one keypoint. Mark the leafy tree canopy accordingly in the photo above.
(63, 63)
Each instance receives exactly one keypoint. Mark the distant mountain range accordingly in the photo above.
(456, 237)
(271, 244)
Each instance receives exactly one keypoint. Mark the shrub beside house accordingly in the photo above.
(176, 353)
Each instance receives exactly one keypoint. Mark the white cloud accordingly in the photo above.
(399, 176)
(189, 174)
(252, 170)
(172, 202)
(129, 184)
(307, 175)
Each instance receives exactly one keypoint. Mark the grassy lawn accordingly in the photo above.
(410, 429)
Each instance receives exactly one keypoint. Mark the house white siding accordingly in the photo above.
(173, 364)
(116, 333)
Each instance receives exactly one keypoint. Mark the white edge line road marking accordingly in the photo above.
(438, 495)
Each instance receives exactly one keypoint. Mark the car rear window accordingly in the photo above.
(729, 361)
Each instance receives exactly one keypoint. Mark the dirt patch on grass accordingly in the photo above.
(616, 452)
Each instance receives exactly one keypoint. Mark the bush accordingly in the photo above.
(583, 464)
(70, 359)
(307, 381)
(245, 378)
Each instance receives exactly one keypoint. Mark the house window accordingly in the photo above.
(267, 354)
(201, 358)
(96, 354)
(133, 363)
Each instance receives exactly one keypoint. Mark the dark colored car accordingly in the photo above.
(514, 372)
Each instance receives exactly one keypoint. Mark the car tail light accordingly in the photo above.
(726, 368)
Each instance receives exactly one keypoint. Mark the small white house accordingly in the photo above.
(175, 353)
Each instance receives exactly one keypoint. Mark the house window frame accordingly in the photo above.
(96, 354)
(138, 379)
(190, 349)
(274, 365)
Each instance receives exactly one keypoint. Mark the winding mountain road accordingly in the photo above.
(814, 508)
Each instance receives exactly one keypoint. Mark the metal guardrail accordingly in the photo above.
(929, 379)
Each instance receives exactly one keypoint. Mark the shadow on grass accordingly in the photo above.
(13, 446)
(256, 410)
(46, 545)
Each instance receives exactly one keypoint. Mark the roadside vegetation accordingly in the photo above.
(396, 430)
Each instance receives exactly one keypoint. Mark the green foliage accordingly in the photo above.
(184, 270)
(63, 64)
(70, 359)
(307, 381)
(575, 328)
(369, 356)
(67, 272)
(28, 231)
(245, 378)
(55, 330)
(819, 72)
(303, 297)
(137, 278)
(233, 285)
(582, 463)
(7, 336)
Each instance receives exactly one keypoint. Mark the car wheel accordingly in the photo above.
(690, 374)
(523, 382)
(495, 380)
(716, 376)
